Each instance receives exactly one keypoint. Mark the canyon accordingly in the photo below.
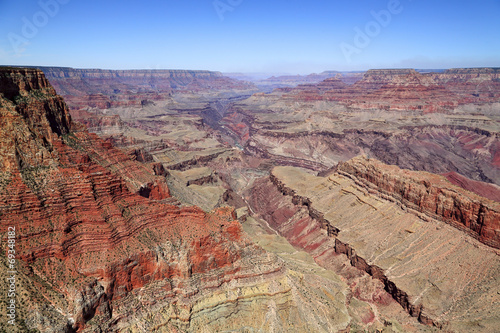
(94, 253)
(188, 201)
(422, 259)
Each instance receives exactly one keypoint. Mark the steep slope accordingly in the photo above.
(430, 195)
(92, 255)
(489, 191)
(101, 246)
(65, 193)
(111, 88)
(435, 271)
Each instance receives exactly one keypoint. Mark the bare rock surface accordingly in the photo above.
(100, 246)
(438, 273)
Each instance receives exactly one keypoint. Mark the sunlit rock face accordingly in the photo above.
(414, 232)
(92, 253)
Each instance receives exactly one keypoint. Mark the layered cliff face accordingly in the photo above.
(431, 195)
(406, 89)
(437, 149)
(473, 83)
(70, 197)
(32, 96)
(436, 272)
(96, 252)
(107, 238)
(101, 244)
(113, 88)
(401, 117)
(412, 91)
(72, 81)
(376, 78)
(458, 75)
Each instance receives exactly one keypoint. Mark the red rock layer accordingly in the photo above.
(71, 198)
(431, 195)
(293, 217)
(110, 88)
(406, 89)
(486, 190)
(475, 84)
(376, 78)
(412, 91)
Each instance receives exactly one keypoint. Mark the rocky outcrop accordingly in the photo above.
(417, 259)
(18, 82)
(155, 190)
(430, 195)
(94, 255)
(29, 92)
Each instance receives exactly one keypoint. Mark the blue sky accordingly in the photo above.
(282, 36)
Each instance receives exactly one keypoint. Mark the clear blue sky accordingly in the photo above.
(275, 36)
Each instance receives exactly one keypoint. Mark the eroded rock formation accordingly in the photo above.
(92, 254)
(431, 195)
(407, 89)
(111, 88)
(436, 272)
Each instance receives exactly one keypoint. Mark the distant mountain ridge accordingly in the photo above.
(105, 88)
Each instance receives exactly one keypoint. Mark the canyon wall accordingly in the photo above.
(407, 89)
(111, 88)
(101, 245)
(438, 273)
(431, 195)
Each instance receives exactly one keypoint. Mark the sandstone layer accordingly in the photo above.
(110, 88)
(110, 239)
(407, 89)
(419, 121)
(96, 251)
(436, 272)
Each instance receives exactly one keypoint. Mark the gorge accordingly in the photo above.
(188, 201)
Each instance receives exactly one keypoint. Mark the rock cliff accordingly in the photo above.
(407, 89)
(102, 246)
(481, 84)
(467, 74)
(489, 191)
(111, 88)
(437, 273)
(376, 78)
(430, 195)
(71, 198)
